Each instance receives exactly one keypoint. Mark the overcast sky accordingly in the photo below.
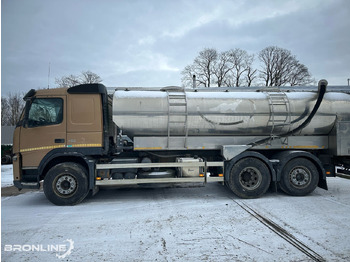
(148, 43)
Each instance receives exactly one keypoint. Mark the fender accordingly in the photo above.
(66, 155)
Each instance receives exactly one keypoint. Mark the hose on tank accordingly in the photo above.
(322, 87)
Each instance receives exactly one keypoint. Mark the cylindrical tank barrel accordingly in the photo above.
(159, 113)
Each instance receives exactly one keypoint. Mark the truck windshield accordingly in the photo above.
(45, 111)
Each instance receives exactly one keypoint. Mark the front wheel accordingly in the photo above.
(249, 178)
(66, 184)
(299, 177)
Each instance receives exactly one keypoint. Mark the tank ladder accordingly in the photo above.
(177, 117)
(280, 115)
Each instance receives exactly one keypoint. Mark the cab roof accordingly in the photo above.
(79, 89)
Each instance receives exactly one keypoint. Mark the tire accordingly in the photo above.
(66, 184)
(299, 177)
(249, 178)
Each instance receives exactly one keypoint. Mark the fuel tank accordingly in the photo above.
(231, 111)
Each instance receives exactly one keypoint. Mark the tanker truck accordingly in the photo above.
(80, 138)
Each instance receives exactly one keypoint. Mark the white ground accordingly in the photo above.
(181, 224)
(6, 176)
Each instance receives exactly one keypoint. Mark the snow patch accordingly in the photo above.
(6, 176)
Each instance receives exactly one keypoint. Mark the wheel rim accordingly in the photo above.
(300, 176)
(250, 178)
(65, 185)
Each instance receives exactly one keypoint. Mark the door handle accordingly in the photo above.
(59, 140)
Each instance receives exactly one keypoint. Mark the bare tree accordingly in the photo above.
(67, 81)
(280, 67)
(300, 75)
(226, 68)
(266, 56)
(203, 67)
(223, 67)
(187, 75)
(4, 111)
(251, 73)
(86, 77)
(239, 59)
(11, 109)
(16, 105)
(235, 68)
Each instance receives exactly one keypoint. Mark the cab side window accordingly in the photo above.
(45, 111)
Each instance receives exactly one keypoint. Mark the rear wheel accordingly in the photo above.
(299, 177)
(249, 178)
(66, 184)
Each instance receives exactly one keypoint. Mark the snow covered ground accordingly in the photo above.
(6, 176)
(179, 224)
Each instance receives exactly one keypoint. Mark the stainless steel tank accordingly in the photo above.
(217, 113)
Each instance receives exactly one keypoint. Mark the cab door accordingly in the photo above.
(44, 130)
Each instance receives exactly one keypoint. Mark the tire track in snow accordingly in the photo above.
(282, 233)
(300, 233)
(242, 241)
